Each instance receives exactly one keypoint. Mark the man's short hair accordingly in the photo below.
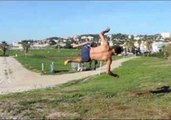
(118, 49)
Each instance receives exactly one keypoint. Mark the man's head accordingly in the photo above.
(117, 50)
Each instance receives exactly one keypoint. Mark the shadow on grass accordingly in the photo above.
(60, 71)
(164, 89)
(56, 72)
(160, 90)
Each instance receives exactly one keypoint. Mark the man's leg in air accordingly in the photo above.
(77, 60)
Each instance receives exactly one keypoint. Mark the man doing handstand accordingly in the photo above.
(101, 53)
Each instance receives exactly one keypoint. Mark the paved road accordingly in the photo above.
(15, 78)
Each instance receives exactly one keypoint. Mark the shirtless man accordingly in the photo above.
(101, 53)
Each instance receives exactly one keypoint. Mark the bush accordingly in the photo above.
(167, 51)
(160, 54)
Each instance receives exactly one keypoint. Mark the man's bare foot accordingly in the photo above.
(66, 62)
(106, 30)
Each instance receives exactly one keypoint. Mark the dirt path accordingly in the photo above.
(15, 78)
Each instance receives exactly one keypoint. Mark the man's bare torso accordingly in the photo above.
(101, 52)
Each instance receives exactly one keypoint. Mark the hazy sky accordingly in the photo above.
(42, 19)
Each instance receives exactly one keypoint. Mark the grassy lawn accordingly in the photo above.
(141, 92)
(34, 59)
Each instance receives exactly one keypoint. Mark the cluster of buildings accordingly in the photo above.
(51, 42)
(62, 42)
(152, 47)
(156, 45)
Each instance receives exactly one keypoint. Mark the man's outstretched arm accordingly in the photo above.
(108, 71)
(80, 45)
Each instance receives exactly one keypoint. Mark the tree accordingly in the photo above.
(68, 45)
(25, 45)
(4, 47)
(132, 37)
(119, 36)
(167, 39)
(130, 46)
(167, 51)
(149, 45)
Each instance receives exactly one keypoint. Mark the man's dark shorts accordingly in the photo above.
(85, 53)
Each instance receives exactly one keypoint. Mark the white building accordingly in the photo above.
(110, 43)
(165, 35)
(16, 45)
(76, 38)
(136, 44)
(87, 38)
(142, 47)
(129, 37)
(110, 37)
(157, 46)
(90, 38)
(38, 45)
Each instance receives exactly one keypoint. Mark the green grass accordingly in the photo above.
(136, 94)
(34, 59)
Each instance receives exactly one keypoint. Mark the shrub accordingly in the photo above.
(160, 54)
(167, 51)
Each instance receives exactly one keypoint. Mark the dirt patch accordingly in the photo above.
(169, 117)
(57, 115)
(169, 58)
(140, 92)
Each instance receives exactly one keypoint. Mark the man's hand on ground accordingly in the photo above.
(114, 75)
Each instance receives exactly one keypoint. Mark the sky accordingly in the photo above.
(38, 20)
